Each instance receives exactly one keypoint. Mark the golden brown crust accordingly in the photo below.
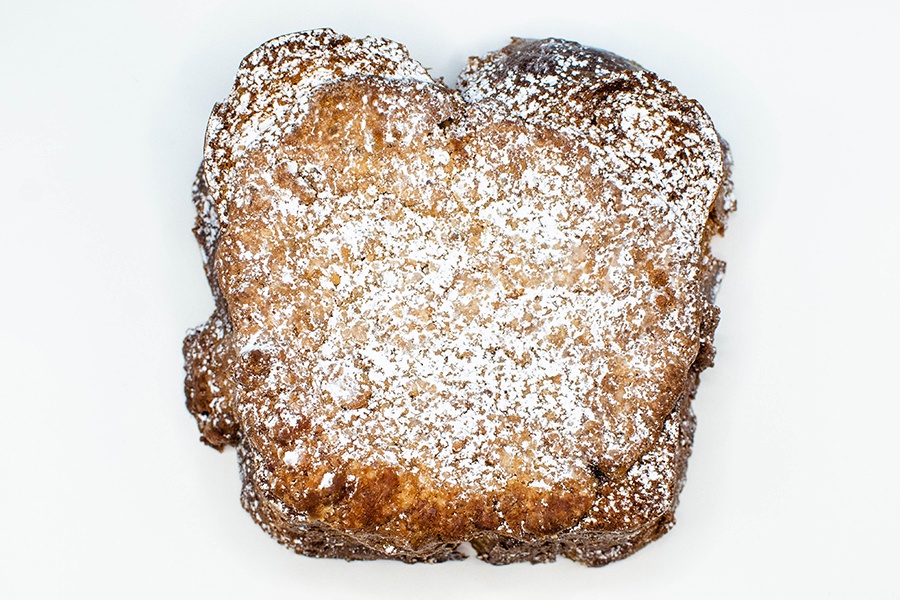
(456, 316)
(208, 387)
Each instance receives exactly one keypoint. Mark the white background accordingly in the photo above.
(106, 492)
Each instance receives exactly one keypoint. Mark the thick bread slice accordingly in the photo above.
(451, 316)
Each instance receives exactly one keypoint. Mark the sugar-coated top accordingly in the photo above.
(502, 284)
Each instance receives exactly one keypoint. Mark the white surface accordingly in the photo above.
(793, 486)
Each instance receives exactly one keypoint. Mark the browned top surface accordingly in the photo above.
(469, 297)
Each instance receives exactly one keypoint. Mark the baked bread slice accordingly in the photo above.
(448, 316)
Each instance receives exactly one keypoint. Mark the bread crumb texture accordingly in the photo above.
(456, 315)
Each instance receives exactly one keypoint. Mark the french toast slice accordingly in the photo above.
(448, 316)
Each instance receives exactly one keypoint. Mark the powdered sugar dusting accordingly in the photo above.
(478, 287)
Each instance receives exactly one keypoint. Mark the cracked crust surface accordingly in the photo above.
(456, 315)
